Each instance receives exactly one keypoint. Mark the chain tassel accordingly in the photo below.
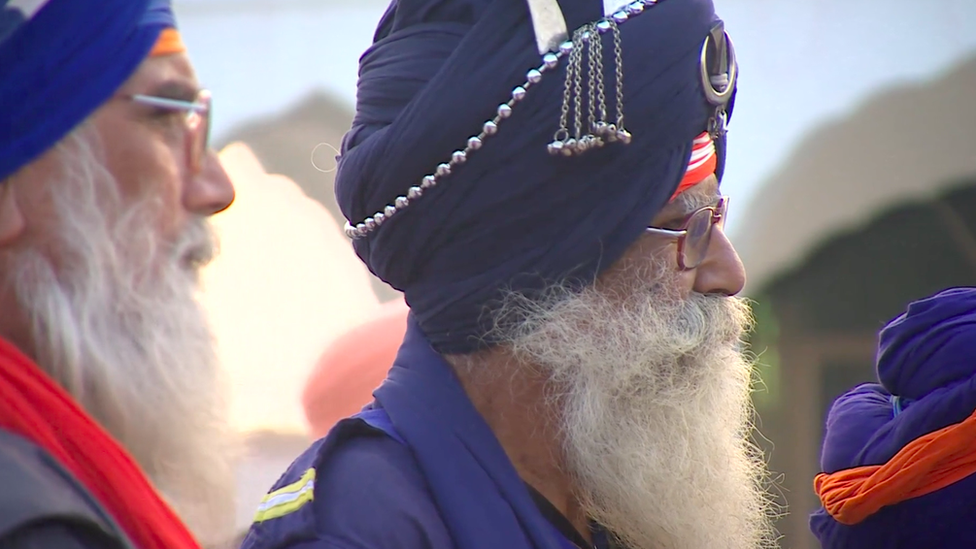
(585, 52)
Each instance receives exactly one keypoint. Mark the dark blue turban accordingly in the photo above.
(60, 62)
(512, 217)
(927, 370)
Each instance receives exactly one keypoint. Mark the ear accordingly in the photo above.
(12, 222)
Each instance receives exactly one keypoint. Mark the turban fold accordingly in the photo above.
(898, 456)
(512, 217)
(62, 59)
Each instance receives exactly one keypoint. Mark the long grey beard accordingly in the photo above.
(116, 323)
(653, 398)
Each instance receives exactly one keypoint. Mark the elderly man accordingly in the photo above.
(108, 383)
(571, 374)
(898, 455)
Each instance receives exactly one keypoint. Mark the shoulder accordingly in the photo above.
(38, 490)
(60, 534)
(355, 489)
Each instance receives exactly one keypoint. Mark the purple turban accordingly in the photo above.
(927, 373)
(512, 217)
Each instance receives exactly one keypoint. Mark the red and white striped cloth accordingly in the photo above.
(702, 164)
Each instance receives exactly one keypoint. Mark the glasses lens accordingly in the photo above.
(699, 231)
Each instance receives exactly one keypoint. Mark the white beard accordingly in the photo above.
(652, 395)
(116, 323)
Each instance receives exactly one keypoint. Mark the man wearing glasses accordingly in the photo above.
(111, 427)
(541, 180)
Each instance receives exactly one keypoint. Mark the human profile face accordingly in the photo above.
(719, 272)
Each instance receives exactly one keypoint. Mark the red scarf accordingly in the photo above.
(36, 408)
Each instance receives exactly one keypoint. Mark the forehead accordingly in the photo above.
(701, 195)
(158, 71)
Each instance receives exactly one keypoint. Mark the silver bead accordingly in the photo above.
(429, 181)
(389, 211)
(650, 2)
(587, 143)
(533, 76)
(624, 136)
(370, 224)
(620, 17)
(490, 128)
(474, 143)
(361, 227)
(550, 60)
(555, 148)
(566, 47)
(458, 157)
(414, 193)
(401, 202)
(379, 218)
(603, 26)
(350, 231)
(504, 111)
(569, 147)
(443, 170)
(635, 8)
(585, 37)
(518, 93)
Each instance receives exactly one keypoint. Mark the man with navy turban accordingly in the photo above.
(111, 425)
(541, 180)
(898, 457)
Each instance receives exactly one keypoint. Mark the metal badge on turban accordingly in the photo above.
(589, 119)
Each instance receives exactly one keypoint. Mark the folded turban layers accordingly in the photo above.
(62, 59)
(512, 217)
(899, 457)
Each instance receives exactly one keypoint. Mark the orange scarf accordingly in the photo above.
(33, 406)
(925, 465)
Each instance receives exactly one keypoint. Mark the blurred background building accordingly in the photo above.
(852, 165)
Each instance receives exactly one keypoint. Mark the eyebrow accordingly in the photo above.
(180, 90)
(685, 204)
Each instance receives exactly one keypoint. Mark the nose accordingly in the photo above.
(722, 271)
(210, 191)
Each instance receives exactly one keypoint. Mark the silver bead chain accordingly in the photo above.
(599, 131)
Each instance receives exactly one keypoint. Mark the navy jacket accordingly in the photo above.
(43, 506)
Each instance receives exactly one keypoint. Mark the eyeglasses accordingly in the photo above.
(695, 234)
(197, 122)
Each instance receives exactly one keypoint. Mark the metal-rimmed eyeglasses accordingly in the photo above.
(695, 233)
(197, 122)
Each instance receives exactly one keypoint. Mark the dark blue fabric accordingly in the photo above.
(59, 66)
(380, 420)
(369, 493)
(434, 478)
(481, 497)
(513, 216)
(926, 358)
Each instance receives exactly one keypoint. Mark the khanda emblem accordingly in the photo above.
(14, 13)
(719, 73)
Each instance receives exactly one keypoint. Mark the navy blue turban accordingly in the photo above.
(927, 369)
(512, 217)
(60, 60)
